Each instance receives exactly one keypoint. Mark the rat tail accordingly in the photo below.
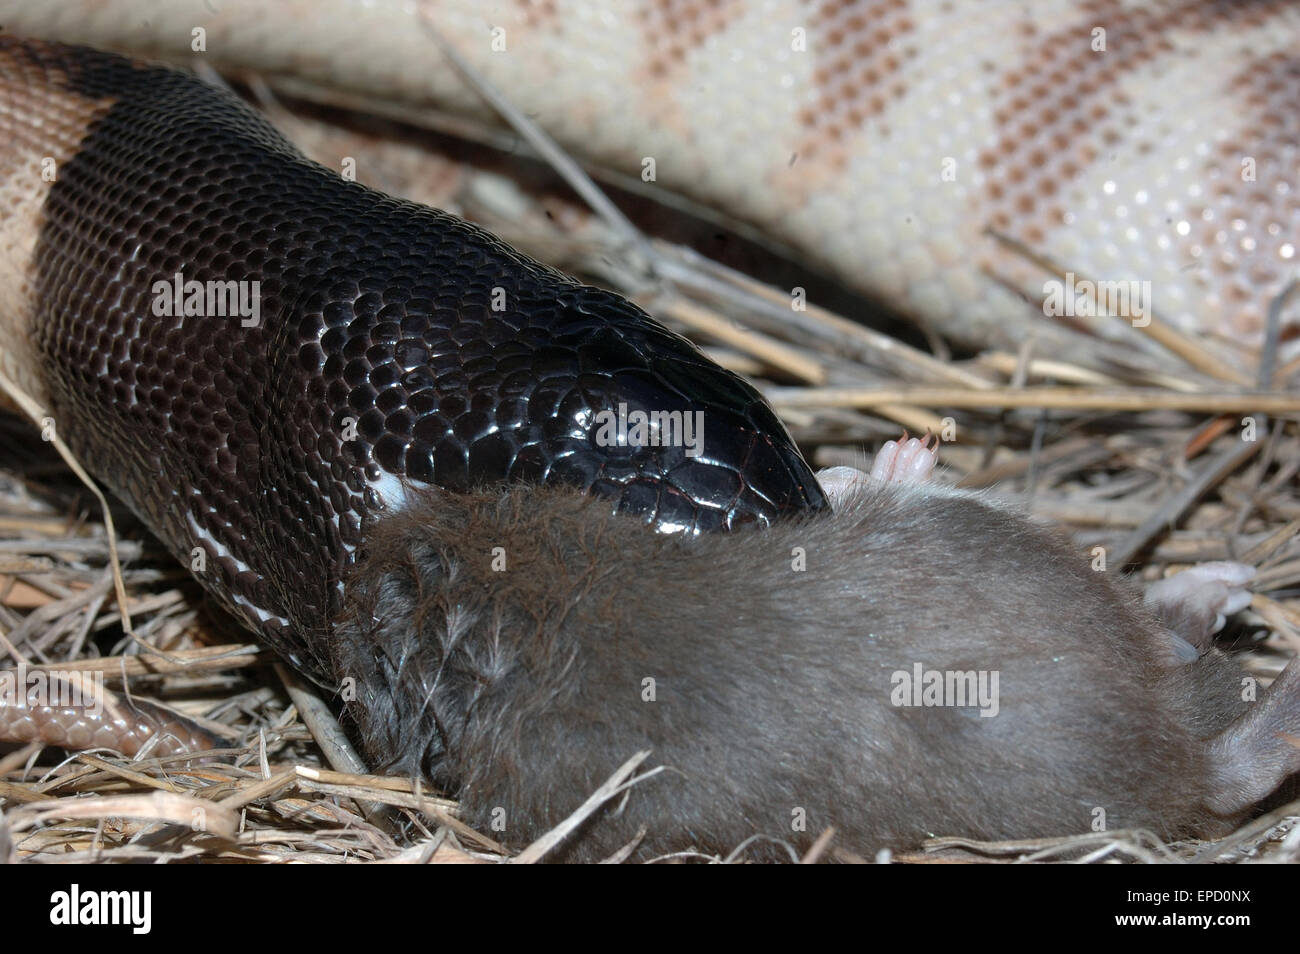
(1252, 745)
(1260, 748)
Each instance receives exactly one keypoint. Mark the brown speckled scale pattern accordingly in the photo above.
(231, 439)
(115, 723)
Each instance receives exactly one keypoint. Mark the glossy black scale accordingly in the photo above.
(381, 346)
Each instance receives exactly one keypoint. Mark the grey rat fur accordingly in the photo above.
(521, 689)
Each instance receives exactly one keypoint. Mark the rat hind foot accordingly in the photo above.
(1196, 603)
(909, 460)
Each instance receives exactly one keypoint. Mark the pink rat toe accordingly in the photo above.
(882, 467)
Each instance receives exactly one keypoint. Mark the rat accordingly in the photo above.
(920, 661)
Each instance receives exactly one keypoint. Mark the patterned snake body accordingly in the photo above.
(884, 140)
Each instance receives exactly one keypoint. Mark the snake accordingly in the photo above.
(393, 346)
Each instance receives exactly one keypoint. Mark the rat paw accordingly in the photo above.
(1196, 603)
(910, 460)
